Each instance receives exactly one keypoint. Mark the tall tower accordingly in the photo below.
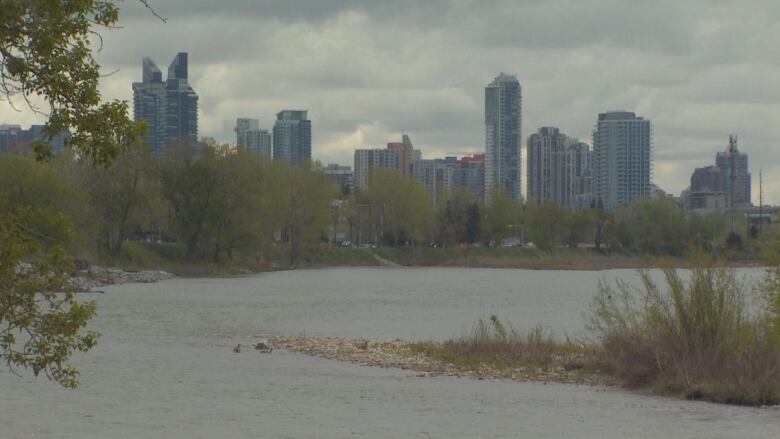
(622, 159)
(734, 164)
(503, 142)
(170, 107)
(292, 137)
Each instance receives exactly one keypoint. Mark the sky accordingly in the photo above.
(370, 70)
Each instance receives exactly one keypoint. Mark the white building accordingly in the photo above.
(622, 159)
(366, 160)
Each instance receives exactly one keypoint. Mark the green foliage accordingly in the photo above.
(502, 216)
(453, 218)
(40, 319)
(400, 208)
(25, 183)
(545, 224)
(697, 337)
(46, 52)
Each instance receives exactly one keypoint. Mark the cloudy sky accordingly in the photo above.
(369, 70)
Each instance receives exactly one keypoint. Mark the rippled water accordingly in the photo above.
(164, 366)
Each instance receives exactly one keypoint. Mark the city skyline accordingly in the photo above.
(686, 70)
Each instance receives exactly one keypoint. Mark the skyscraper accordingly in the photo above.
(558, 169)
(169, 108)
(406, 155)
(292, 137)
(249, 137)
(503, 105)
(437, 176)
(366, 160)
(723, 160)
(546, 166)
(622, 159)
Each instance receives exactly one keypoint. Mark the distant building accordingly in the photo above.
(546, 166)
(170, 108)
(15, 140)
(366, 160)
(558, 169)
(250, 138)
(471, 174)
(292, 137)
(437, 175)
(503, 141)
(406, 154)
(742, 195)
(622, 159)
(342, 175)
(710, 189)
(579, 176)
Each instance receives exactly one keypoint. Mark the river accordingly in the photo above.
(164, 367)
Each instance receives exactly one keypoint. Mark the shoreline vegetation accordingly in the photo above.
(700, 337)
(152, 256)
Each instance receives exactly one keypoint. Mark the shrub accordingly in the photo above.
(697, 337)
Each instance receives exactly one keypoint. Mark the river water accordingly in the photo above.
(164, 366)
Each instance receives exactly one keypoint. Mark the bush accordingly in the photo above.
(698, 337)
(500, 345)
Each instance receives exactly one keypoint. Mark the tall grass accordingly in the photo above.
(696, 337)
(499, 345)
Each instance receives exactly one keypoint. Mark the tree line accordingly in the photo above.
(212, 203)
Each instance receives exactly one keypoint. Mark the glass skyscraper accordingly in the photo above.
(170, 107)
(292, 137)
(622, 159)
(503, 142)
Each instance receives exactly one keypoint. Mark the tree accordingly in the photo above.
(545, 224)
(122, 195)
(302, 200)
(45, 53)
(501, 217)
(401, 209)
(473, 223)
(453, 217)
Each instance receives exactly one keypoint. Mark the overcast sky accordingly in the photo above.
(369, 70)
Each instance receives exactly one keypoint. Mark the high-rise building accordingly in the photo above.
(503, 104)
(622, 159)
(366, 160)
(15, 140)
(579, 176)
(249, 137)
(558, 169)
(546, 166)
(170, 107)
(342, 175)
(292, 137)
(471, 174)
(244, 124)
(723, 160)
(437, 175)
(708, 190)
(406, 154)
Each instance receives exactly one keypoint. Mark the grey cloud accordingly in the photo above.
(368, 70)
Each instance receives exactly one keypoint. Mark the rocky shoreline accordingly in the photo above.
(401, 354)
(95, 276)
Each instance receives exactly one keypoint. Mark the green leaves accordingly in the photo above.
(46, 52)
(40, 318)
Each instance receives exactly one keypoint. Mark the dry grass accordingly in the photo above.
(697, 338)
(499, 346)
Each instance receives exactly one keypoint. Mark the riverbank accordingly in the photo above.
(167, 257)
(565, 368)
(95, 276)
